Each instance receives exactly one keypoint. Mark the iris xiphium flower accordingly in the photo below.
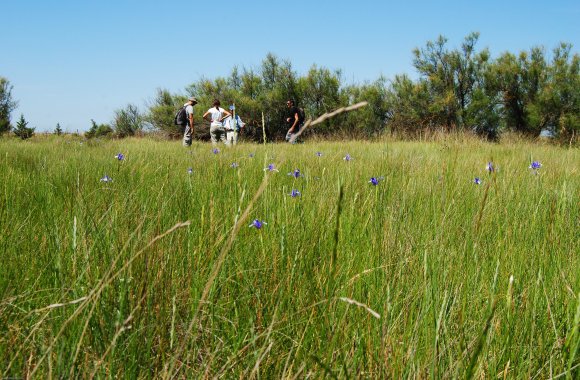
(190, 171)
(270, 168)
(106, 179)
(374, 181)
(120, 156)
(477, 180)
(347, 157)
(257, 224)
(296, 173)
(490, 167)
(234, 165)
(319, 154)
(535, 166)
(295, 193)
(215, 151)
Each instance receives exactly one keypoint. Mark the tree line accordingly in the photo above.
(457, 89)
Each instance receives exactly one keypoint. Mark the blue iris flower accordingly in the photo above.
(490, 167)
(106, 179)
(295, 193)
(319, 154)
(234, 165)
(296, 173)
(374, 181)
(477, 180)
(120, 156)
(190, 171)
(535, 165)
(215, 151)
(257, 224)
(347, 157)
(271, 168)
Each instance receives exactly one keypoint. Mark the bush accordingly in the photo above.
(98, 130)
(21, 130)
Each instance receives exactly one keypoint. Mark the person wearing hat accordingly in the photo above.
(233, 124)
(188, 134)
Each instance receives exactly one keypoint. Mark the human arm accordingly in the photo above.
(225, 115)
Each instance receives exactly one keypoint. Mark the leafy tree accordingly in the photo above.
(162, 112)
(7, 105)
(98, 130)
(58, 130)
(128, 121)
(520, 80)
(22, 130)
(559, 100)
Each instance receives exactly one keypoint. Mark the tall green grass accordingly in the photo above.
(157, 273)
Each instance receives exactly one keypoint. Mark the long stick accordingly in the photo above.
(327, 115)
(264, 128)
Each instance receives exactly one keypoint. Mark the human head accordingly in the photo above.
(216, 103)
(290, 103)
(192, 100)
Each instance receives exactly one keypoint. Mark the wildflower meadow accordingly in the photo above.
(138, 258)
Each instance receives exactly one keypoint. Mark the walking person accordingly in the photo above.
(216, 116)
(233, 125)
(295, 119)
(188, 133)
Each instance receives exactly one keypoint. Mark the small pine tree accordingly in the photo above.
(21, 130)
(58, 130)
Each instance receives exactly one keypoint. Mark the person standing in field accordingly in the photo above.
(233, 125)
(295, 119)
(216, 117)
(188, 134)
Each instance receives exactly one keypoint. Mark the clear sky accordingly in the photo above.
(73, 61)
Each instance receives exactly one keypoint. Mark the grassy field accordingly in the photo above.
(158, 274)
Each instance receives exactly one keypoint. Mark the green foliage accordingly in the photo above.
(162, 112)
(7, 105)
(22, 130)
(104, 280)
(128, 121)
(98, 130)
(559, 99)
(457, 89)
(58, 130)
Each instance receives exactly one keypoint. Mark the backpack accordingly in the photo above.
(180, 117)
(301, 115)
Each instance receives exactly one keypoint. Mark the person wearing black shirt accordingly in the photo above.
(293, 119)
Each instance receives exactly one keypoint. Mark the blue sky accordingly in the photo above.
(73, 61)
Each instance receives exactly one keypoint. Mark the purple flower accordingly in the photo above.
(489, 167)
(477, 181)
(296, 173)
(215, 151)
(106, 179)
(347, 157)
(234, 165)
(374, 181)
(295, 193)
(319, 154)
(535, 165)
(120, 156)
(190, 171)
(270, 168)
(257, 224)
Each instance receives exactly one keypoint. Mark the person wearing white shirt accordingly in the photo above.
(233, 124)
(216, 117)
